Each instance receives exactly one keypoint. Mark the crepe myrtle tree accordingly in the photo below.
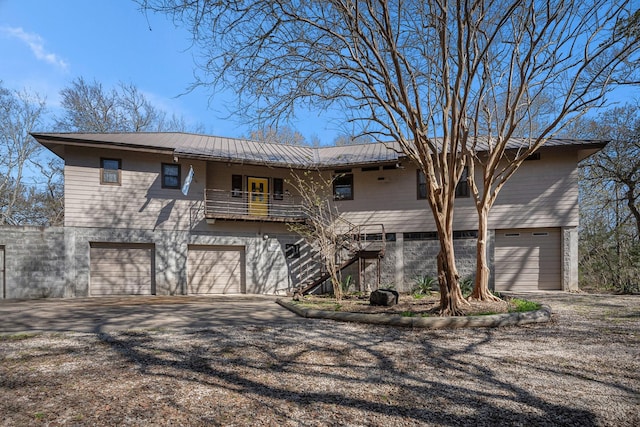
(534, 71)
(407, 71)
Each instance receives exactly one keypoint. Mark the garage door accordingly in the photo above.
(528, 260)
(121, 269)
(215, 270)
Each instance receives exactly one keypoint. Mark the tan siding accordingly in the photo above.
(139, 202)
(121, 269)
(215, 270)
(542, 193)
(219, 175)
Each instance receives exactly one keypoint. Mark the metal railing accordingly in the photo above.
(243, 205)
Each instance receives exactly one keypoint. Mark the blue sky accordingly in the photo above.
(45, 44)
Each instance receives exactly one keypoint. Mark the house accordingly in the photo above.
(130, 229)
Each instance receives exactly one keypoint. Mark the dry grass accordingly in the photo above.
(581, 369)
(408, 305)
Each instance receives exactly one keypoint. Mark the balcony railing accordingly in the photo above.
(248, 206)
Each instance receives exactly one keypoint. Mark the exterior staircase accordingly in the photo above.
(359, 243)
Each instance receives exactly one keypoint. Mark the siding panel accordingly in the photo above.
(542, 193)
(139, 202)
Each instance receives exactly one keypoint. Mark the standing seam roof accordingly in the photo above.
(247, 151)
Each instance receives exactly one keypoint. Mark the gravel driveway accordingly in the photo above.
(581, 369)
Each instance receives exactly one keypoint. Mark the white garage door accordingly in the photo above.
(215, 270)
(121, 269)
(528, 260)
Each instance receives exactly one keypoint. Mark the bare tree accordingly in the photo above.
(91, 108)
(535, 70)
(321, 229)
(20, 113)
(408, 71)
(344, 139)
(610, 191)
(282, 135)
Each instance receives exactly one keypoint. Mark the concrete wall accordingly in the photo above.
(420, 259)
(55, 262)
(34, 262)
(569, 258)
(266, 267)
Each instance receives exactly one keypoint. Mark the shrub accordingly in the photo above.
(523, 305)
(424, 285)
(345, 285)
(466, 285)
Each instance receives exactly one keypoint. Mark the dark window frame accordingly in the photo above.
(343, 180)
(236, 185)
(292, 250)
(419, 235)
(421, 182)
(164, 176)
(465, 234)
(104, 181)
(462, 188)
(278, 189)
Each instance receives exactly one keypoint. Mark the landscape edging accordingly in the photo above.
(542, 315)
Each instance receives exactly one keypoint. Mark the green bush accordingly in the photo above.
(345, 285)
(423, 285)
(466, 285)
(523, 305)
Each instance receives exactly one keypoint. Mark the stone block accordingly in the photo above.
(384, 297)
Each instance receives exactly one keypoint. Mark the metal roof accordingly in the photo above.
(236, 150)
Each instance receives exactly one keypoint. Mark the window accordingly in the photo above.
(278, 189)
(465, 234)
(462, 189)
(236, 185)
(292, 250)
(422, 185)
(170, 175)
(534, 156)
(343, 187)
(427, 235)
(110, 171)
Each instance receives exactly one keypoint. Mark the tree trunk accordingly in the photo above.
(631, 199)
(481, 290)
(451, 298)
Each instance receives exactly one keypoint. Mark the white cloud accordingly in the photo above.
(36, 44)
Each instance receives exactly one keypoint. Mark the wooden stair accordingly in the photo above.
(358, 249)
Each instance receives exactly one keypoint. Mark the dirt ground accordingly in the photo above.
(427, 305)
(582, 369)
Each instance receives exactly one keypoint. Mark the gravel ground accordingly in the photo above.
(582, 369)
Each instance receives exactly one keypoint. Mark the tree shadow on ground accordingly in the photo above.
(437, 381)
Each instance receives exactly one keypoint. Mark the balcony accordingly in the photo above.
(249, 206)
